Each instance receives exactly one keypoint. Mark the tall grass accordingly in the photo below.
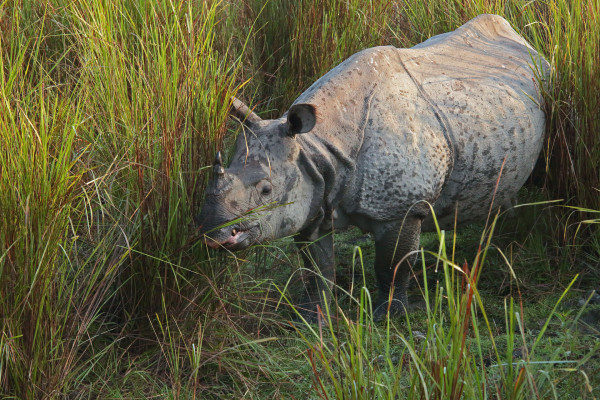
(45, 312)
(38, 187)
(296, 42)
(159, 91)
(456, 352)
(110, 113)
(570, 36)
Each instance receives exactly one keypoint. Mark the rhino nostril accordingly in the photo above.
(234, 232)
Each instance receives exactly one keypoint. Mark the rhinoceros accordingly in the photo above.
(451, 123)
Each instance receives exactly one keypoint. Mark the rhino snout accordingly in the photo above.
(229, 236)
(233, 237)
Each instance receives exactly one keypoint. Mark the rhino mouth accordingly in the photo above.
(234, 237)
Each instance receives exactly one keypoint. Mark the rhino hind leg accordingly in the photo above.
(318, 275)
(393, 241)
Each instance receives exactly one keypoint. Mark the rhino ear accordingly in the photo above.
(301, 118)
(243, 112)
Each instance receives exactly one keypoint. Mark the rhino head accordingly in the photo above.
(266, 192)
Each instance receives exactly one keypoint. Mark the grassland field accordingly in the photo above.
(110, 115)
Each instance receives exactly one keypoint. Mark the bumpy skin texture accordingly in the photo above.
(376, 139)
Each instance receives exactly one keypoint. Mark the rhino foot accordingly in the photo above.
(396, 308)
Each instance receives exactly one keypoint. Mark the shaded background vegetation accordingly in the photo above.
(110, 113)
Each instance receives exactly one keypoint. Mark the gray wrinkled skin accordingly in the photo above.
(377, 138)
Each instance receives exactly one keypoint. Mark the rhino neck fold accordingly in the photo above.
(439, 116)
(331, 150)
(316, 213)
(332, 172)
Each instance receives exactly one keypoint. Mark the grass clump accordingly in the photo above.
(159, 94)
(570, 35)
(39, 189)
(289, 54)
(450, 349)
(110, 111)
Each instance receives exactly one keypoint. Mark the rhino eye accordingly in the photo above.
(266, 189)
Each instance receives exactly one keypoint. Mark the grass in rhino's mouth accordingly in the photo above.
(237, 238)
(237, 231)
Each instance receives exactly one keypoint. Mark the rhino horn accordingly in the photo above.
(243, 112)
(218, 165)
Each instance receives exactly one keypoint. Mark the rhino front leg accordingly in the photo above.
(393, 241)
(318, 274)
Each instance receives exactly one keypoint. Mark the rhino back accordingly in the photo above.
(434, 123)
(481, 79)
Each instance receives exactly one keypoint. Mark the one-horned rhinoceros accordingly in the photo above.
(376, 140)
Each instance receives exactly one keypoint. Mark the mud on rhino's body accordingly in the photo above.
(376, 138)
